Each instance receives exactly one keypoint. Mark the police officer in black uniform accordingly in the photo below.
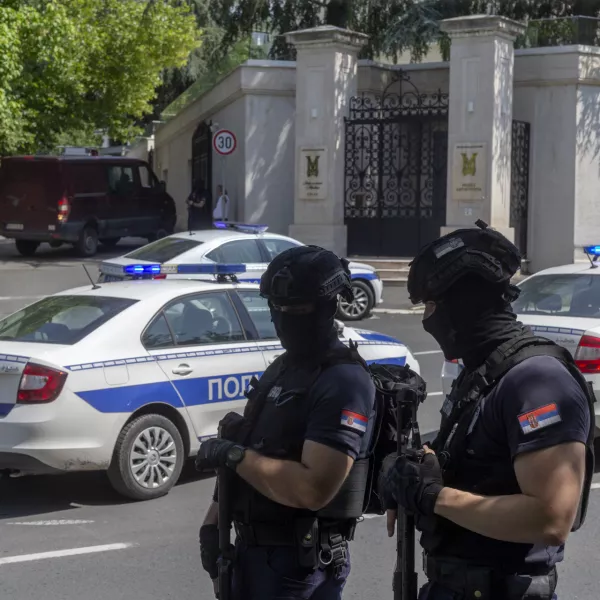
(511, 467)
(301, 464)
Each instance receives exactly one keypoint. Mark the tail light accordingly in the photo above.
(162, 276)
(64, 208)
(40, 384)
(587, 355)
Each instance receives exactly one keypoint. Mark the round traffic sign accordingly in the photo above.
(224, 142)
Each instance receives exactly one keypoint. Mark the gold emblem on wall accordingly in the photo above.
(469, 165)
(312, 166)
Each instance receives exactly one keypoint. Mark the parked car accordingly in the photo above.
(130, 377)
(563, 305)
(82, 201)
(238, 243)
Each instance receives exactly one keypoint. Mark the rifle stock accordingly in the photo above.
(225, 547)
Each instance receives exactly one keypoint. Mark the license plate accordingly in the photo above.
(14, 227)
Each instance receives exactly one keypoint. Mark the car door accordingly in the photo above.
(123, 207)
(202, 347)
(149, 201)
(243, 251)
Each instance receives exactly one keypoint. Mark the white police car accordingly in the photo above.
(562, 304)
(130, 377)
(241, 243)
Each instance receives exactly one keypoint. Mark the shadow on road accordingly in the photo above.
(37, 495)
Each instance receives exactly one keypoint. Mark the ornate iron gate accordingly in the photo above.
(519, 183)
(395, 170)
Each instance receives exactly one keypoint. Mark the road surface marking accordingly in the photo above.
(434, 393)
(54, 522)
(8, 298)
(596, 486)
(397, 311)
(62, 553)
(427, 352)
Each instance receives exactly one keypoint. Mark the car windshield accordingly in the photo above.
(163, 250)
(61, 319)
(561, 295)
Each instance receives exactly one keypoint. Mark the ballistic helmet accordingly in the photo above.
(306, 274)
(479, 251)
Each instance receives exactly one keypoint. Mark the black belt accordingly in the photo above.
(264, 534)
(487, 583)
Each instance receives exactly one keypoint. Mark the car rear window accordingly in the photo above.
(562, 295)
(163, 250)
(38, 181)
(61, 319)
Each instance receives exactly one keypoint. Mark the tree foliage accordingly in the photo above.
(83, 65)
(393, 26)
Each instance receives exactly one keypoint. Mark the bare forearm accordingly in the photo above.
(284, 481)
(517, 518)
(212, 514)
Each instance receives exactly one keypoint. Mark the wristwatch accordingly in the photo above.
(235, 455)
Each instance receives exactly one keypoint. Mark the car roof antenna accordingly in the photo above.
(95, 286)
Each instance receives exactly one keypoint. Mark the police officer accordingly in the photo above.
(301, 464)
(512, 463)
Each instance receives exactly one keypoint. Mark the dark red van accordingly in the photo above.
(81, 201)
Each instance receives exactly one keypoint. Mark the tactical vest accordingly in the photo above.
(275, 420)
(459, 415)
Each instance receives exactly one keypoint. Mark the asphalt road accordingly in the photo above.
(73, 538)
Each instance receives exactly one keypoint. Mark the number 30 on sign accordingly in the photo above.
(224, 142)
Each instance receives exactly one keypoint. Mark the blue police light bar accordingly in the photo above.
(243, 227)
(191, 269)
(592, 250)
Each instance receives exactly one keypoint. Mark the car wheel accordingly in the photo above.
(158, 235)
(361, 306)
(26, 247)
(87, 245)
(110, 242)
(147, 459)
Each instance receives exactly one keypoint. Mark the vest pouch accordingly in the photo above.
(349, 501)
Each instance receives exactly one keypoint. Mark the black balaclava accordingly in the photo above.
(472, 319)
(305, 335)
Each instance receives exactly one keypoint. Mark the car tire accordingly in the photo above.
(160, 233)
(87, 244)
(110, 242)
(26, 247)
(362, 305)
(136, 477)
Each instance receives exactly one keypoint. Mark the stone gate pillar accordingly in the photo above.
(326, 74)
(480, 121)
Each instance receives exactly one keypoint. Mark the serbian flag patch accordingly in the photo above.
(539, 418)
(354, 421)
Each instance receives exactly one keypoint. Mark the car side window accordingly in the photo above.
(158, 334)
(207, 318)
(120, 180)
(258, 309)
(238, 251)
(147, 180)
(276, 246)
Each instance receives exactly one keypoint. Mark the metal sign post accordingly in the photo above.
(224, 144)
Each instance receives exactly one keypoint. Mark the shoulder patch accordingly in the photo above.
(539, 418)
(354, 421)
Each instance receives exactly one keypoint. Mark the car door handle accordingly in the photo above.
(272, 360)
(182, 370)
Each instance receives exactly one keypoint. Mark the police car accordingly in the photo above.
(130, 377)
(562, 304)
(246, 244)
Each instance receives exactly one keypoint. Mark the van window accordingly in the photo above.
(36, 182)
(120, 180)
(88, 178)
(61, 319)
(147, 178)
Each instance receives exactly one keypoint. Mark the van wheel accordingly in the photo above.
(87, 244)
(110, 242)
(26, 247)
(147, 459)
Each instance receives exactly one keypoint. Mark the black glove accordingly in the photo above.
(209, 549)
(212, 454)
(415, 482)
(230, 424)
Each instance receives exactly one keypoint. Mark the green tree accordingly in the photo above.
(393, 26)
(84, 65)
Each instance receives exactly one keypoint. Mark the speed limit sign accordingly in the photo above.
(224, 142)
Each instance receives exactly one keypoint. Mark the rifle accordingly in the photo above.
(226, 549)
(405, 580)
